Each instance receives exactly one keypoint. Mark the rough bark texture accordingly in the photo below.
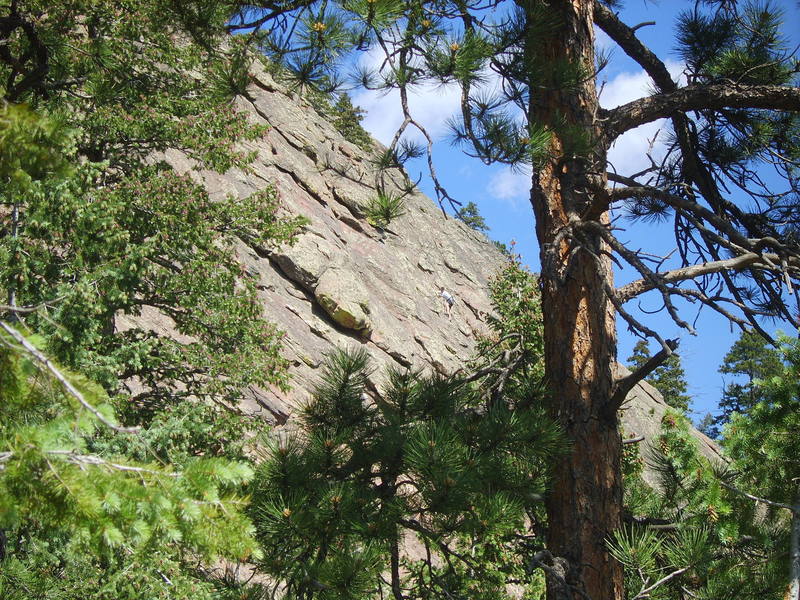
(794, 551)
(583, 507)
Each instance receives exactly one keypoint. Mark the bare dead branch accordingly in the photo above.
(626, 384)
(634, 440)
(760, 500)
(645, 592)
(751, 260)
(626, 39)
(91, 459)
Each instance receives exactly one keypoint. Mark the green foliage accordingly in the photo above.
(470, 215)
(61, 503)
(668, 378)
(384, 208)
(734, 45)
(502, 248)
(750, 359)
(763, 441)
(31, 149)
(516, 326)
(706, 426)
(347, 120)
(120, 234)
(694, 528)
(455, 464)
(96, 231)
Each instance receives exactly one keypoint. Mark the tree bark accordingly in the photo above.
(794, 551)
(584, 504)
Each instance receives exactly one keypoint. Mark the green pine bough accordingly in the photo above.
(432, 487)
(725, 526)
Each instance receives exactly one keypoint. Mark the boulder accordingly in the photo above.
(341, 293)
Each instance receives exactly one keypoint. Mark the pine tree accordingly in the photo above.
(123, 223)
(691, 534)
(765, 447)
(470, 215)
(706, 426)
(457, 466)
(668, 378)
(100, 516)
(737, 111)
(750, 358)
(697, 532)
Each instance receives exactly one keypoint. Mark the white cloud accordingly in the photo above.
(510, 185)
(629, 153)
(431, 104)
(626, 86)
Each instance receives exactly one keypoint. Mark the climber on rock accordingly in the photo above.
(448, 300)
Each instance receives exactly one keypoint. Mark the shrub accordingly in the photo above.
(385, 208)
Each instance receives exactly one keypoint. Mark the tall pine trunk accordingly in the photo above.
(584, 504)
(794, 551)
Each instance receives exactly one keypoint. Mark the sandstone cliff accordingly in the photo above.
(347, 283)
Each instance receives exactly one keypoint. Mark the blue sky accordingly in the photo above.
(502, 193)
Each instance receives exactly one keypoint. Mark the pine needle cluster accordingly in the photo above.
(134, 490)
(691, 529)
(70, 514)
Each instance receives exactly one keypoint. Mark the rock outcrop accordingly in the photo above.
(346, 283)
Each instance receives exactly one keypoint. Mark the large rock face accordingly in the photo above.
(345, 283)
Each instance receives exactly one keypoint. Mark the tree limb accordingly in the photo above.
(633, 440)
(732, 488)
(750, 260)
(71, 390)
(626, 39)
(645, 592)
(626, 384)
(698, 97)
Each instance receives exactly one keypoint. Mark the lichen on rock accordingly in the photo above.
(345, 300)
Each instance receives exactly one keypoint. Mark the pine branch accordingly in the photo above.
(91, 459)
(71, 390)
(634, 440)
(749, 260)
(635, 190)
(278, 9)
(555, 569)
(645, 592)
(626, 39)
(724, 235)
(626, 384)
(26, 310)
(698, 97)
(789, 507)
